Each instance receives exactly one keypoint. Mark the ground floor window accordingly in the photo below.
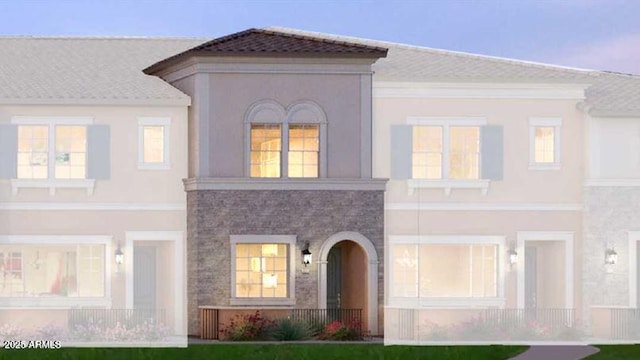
(446, 267)
(52, 270)
(262, 268)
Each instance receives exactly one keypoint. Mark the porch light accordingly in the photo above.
(610, 257)
(306, 257)
(119, 256)
(513, 257)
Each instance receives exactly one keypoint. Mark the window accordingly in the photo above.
(262, 269)
(544, 152)
(458, 268)
(265, 150)
(153, 143)
(52, 270)
(69, 151)
(304, 148)
(456, 158)
(286, 143)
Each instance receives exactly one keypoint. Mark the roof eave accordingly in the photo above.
(614, 113)
(179, 102)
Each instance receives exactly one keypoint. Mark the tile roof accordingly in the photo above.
(610, 94)
(81, 70)
(85, 70)
(260, 42)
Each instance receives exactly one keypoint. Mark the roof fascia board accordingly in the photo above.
(97, 102)
(476, 90)
(194, 66)
(619, 114)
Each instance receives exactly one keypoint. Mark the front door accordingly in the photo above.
(530, 278)
(334, 278)
(144, 277)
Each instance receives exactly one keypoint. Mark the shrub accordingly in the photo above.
(342, 332)
(247, 328)
(51, 331)
(290, 330)
(10, 332)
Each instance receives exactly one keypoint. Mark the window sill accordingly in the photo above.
(51, 302)
(544, 166)
(154, 166)
(447, 185)
(262, 301)
(447, 302)
(52, 185)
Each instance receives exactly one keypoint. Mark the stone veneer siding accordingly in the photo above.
(312, 215)
(609, 212)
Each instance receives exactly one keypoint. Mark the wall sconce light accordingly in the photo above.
(610, 256)
(513, 257)
(306, 256)
(119, 257)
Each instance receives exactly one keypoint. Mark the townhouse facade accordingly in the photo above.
(277, 169)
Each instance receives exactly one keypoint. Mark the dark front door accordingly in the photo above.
(144, 277)
(334, 278)
(530, 278)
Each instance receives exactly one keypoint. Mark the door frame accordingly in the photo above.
(634, 237)
(567, 237)
(177, 238)
(372, 273)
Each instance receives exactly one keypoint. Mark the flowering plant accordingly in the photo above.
(337, 330)
(247, 328)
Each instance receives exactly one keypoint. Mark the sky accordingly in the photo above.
(592, 34)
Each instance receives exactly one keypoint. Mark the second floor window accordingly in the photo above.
(286, 142)
(266, 149)
(65, 159)
(446, 152)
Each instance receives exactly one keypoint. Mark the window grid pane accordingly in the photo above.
(544, 145)
(464, 152)
(153, 144)
(33, 151)
(457, 271)
(427, 152)
(261, 270)
(70, 152)
(265, 150)
(52, 270)
(304, 147)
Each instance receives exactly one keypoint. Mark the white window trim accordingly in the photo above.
(165, 122)
(633, 238)
(265, 239)
(61, 303)
(445, 183)
(284, 116)
(51, 182)
(451, 302)
(556, 123)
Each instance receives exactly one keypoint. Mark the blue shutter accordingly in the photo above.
(492, 152)
(401, 151)
(8, 151)
(98, 152)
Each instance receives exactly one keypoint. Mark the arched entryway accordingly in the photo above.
(348, 276)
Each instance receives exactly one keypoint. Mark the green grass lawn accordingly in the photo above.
(617, 352)
(275, 351)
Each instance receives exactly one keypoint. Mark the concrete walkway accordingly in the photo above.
(557, 352)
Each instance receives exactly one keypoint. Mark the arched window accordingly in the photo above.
(299, 132)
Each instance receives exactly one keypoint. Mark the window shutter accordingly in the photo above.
(492, 152)
(401, 151)
(98, 152)
(8, 151)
